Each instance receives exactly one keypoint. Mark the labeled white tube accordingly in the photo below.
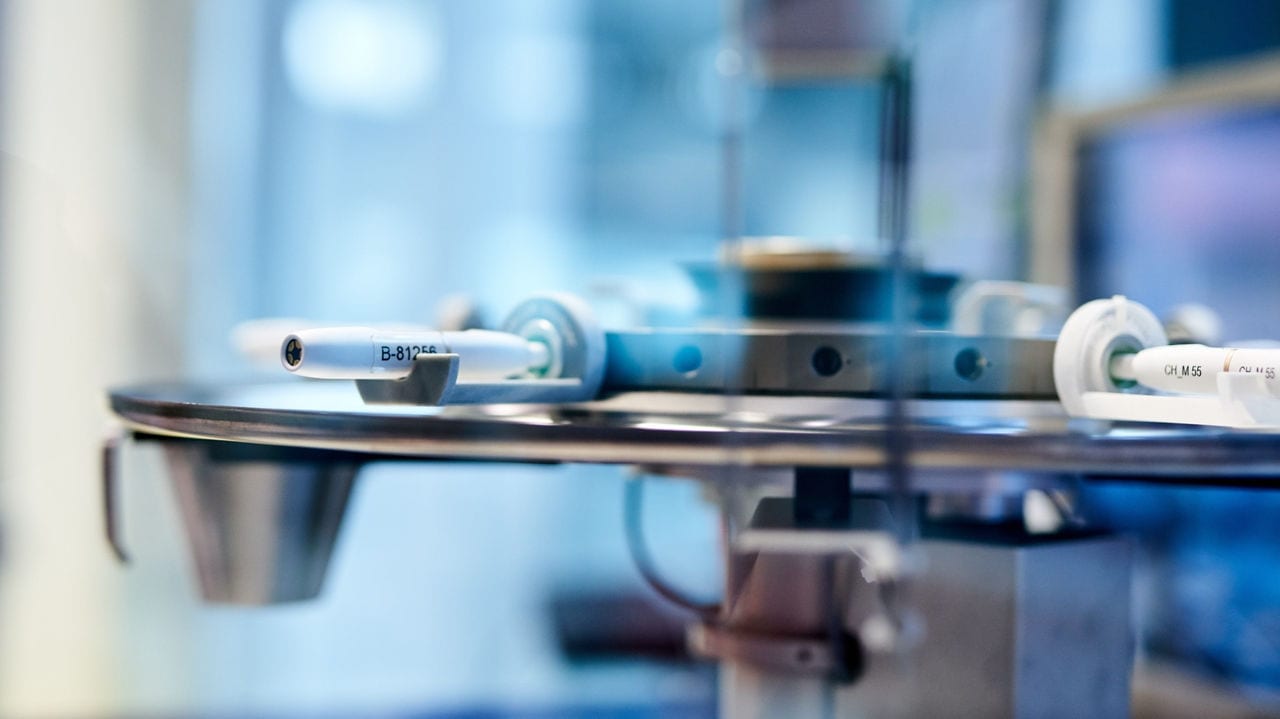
(1194, 369)
(368, 353)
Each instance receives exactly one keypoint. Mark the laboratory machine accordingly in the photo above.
(897, 454)
(826, 589)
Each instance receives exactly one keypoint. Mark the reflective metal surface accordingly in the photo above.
(688, 429)
(261, 528)
(1015, 630)
(806, 360)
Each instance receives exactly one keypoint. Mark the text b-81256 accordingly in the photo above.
(405, 353)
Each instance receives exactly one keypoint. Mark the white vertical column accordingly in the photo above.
(92, 220)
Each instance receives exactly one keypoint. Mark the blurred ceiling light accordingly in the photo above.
(539, 81)
(712, 90)
(362, 56)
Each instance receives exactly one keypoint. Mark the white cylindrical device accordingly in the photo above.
(369, 353)
(1194, 369)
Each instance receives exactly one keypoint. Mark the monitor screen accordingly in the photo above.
(1184, 206)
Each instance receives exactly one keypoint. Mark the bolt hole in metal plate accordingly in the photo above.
(827, 361)
(687, 360)
(970, 364)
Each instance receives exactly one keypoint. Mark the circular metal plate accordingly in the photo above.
(690, 429)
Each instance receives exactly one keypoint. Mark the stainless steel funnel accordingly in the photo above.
(261, 521)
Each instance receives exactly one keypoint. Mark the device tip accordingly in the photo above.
(291, 353)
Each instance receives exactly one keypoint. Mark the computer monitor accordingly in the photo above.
(1169, 199)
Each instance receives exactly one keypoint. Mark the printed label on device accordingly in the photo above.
(395, 352)
(405, 353)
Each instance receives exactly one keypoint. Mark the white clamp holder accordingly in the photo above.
(550, 349)
(1112, 361)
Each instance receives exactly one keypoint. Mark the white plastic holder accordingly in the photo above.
(575, 370)
(1242, 402)
(1099, 330)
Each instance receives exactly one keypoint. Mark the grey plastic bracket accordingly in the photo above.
(433, 381)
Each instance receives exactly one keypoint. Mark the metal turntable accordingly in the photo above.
(263, 473)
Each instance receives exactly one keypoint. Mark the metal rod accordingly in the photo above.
(110, 499)
(895, 144)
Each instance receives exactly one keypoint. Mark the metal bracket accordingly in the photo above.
(110, 506)
(805, 656)
(776, 528)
